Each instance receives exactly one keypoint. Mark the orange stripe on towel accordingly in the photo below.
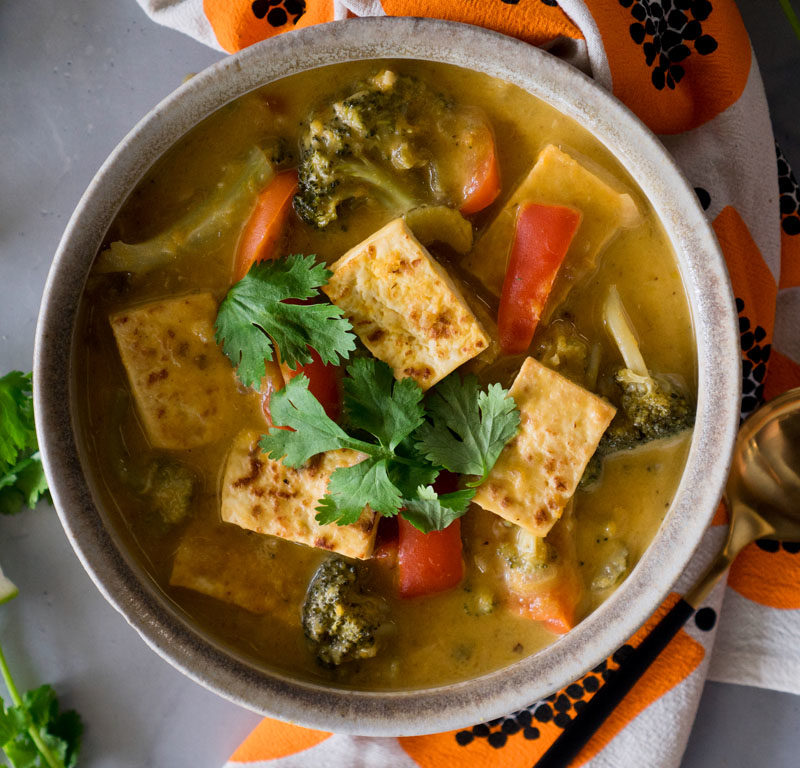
(240, 23)
(704, 75)
(534, 22)
(768, 577)
(272, 739)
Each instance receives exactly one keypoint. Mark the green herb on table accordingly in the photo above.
(404, 452)
(22, 480)
(33, 732)
(255, 316)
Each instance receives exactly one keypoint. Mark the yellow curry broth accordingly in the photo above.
(430, 640)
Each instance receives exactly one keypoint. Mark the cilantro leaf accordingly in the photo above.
(35, 734)
(311, 430)
(348, 487)
(397, 472)
(468, 427)
(12, 721)
(429, 512)
(408, 475)
(255, 316)
(22, 480)
(391, 410)
(18, 433)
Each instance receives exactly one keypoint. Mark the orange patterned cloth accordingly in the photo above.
(686, 68)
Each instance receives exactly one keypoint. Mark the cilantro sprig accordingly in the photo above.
(255, 316)
(22, 480)
(407, 442)
(33, 732)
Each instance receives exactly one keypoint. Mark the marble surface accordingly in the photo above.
(75, 76)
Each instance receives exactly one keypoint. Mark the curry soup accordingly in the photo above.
(248, 589)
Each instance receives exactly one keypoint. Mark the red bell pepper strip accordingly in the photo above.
(266, 222)
(324, 382)
(542, 237)
(429, 562)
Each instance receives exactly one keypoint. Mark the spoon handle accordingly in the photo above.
(602, 704)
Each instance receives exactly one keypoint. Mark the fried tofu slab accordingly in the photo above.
(404, 306)
(263, 495)
(239, 568)
(539, 469)
(556, 178)
(182, 383)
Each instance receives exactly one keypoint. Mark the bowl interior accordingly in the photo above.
(702, 269)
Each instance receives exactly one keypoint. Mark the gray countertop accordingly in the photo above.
(76, 75)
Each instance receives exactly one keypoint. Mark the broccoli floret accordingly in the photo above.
(563, 349)
(168, 487)
(614, 566)
(649, 407)
(479, 601)
(526, 559)
(322, 190)
(653, 407)
(593, 471)
(364, 145)
(338, 618)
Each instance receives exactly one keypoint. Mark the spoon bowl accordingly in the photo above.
(766, 466)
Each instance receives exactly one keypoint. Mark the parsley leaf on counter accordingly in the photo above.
(394, 476)
(468, 427)
(255, 315)
(22, 480)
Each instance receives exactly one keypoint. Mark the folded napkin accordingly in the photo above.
(687, 69)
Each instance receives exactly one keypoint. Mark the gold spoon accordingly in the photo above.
(763, 498)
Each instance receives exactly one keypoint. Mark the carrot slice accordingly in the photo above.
(266, 222)
(554, 603)
(483, 185)
(542, 237)
(554, 597)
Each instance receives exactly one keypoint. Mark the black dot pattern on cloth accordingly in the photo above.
(279, 12)
(772, 546)
(754, 360)
(669, 31)
(789, 196)
(558, 708)
(703, 197)
(705, 619)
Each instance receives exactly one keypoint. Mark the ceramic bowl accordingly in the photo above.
(136, 596)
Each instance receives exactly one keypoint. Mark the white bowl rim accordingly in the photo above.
(709, 294)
